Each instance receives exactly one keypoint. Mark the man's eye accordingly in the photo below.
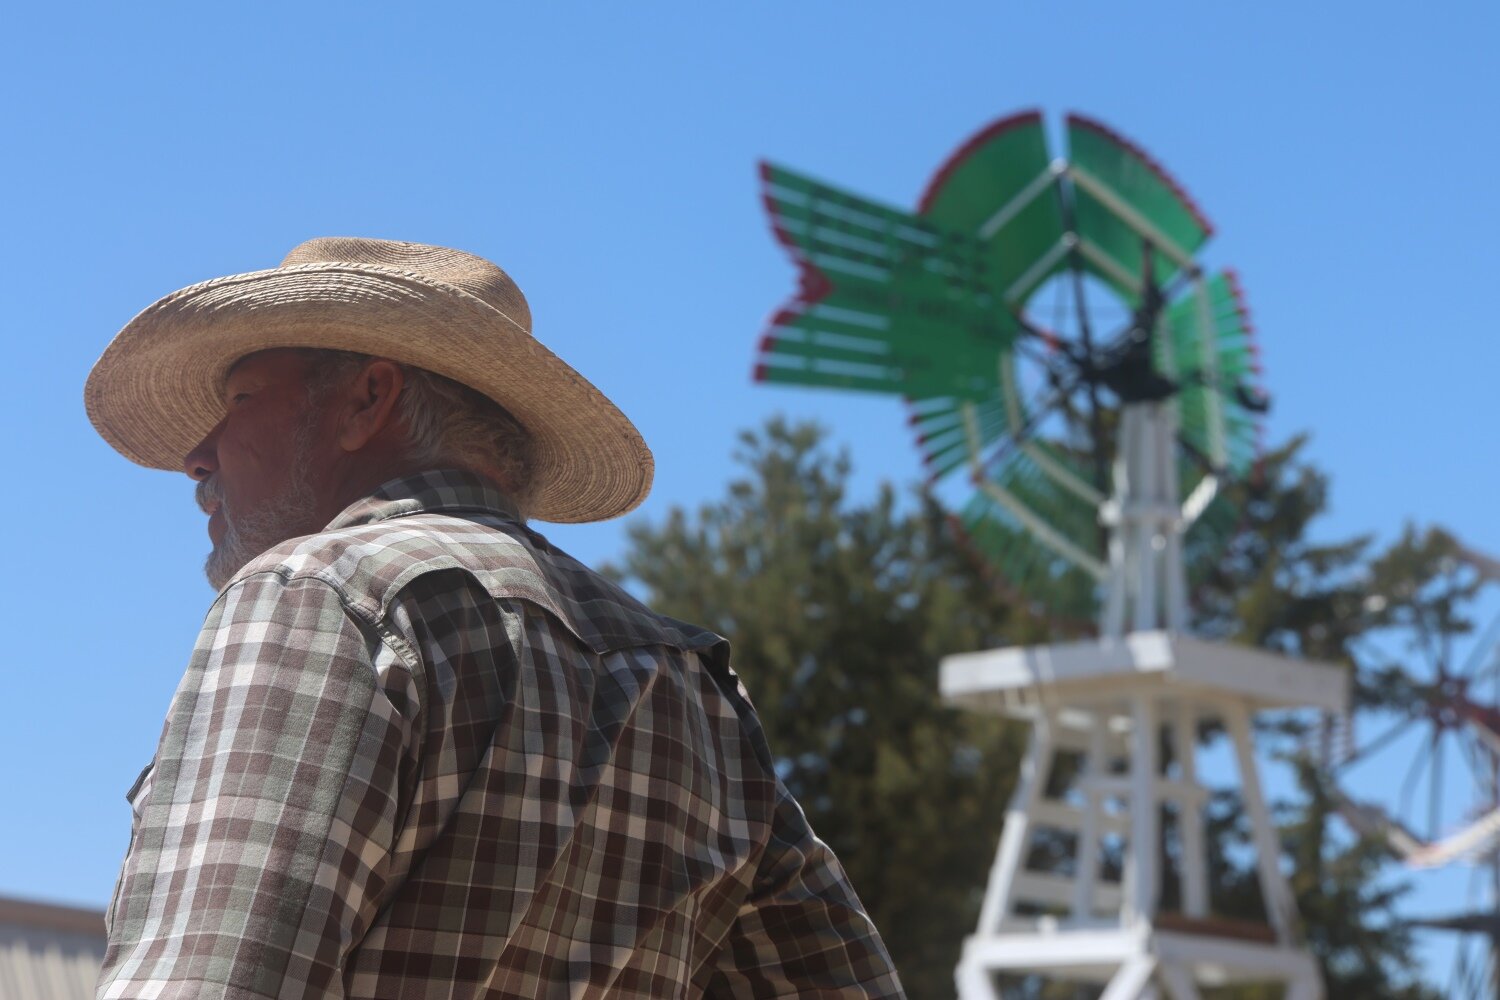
(238, 398)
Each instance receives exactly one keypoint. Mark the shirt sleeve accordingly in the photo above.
(802, 931)
(261, 849)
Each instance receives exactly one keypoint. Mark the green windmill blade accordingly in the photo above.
(1210, 344)
(889, 302)
(1001, 186)
(1122, 199)
(939, 307)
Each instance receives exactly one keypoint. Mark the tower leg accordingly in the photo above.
(1011, 854)
(1140, 900)
(1179, 982)
(1132, 981)
(1141, 516)
(1174, 580)
(1189, 814)
(1087, 874)
(1306, 986)
(974, 981)
(1280, 907)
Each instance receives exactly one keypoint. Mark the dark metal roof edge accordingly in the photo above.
(34, 915)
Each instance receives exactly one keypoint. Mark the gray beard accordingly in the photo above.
(249, 533)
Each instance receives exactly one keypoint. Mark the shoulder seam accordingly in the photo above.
(288, 576)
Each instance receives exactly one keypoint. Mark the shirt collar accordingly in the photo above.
(446, 490)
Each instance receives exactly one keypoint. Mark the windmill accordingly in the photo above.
(946, 307)
(1094, 456)
(1426, 776)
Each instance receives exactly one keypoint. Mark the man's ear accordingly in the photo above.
(369, 405)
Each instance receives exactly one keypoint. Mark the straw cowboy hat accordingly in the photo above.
(156, 391)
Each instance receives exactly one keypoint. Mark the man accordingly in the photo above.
(418, 752)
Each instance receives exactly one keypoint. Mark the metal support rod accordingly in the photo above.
(1145, 580)
(1015, 835)
(1117, 587)
(1169, 528)
(1493, 951)
(1189, 813)
(1308, 985)
(1179, 982)
(1087, 873)
(1133, 979)
(973, 980)
(1144, 524)
(1141, 875)
(1280, 908)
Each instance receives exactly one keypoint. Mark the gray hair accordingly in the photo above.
(446, 422)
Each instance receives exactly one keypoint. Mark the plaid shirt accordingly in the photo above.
(425, 754)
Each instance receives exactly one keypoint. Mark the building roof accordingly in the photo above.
(49, 952)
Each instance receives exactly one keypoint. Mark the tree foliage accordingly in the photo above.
(839, 612)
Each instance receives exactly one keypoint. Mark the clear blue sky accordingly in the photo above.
(605, 155)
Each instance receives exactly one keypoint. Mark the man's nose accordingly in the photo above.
(203, 460)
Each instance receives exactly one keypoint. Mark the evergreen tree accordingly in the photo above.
(839, 613)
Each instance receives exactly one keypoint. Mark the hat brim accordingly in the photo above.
(156, 390)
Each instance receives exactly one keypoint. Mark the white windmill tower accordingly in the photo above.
(1112, 704)
(940, 306)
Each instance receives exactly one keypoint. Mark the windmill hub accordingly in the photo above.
(1130, 373)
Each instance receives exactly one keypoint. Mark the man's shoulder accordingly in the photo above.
(370, 565)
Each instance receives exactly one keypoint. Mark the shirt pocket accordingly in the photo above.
(136, 797)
